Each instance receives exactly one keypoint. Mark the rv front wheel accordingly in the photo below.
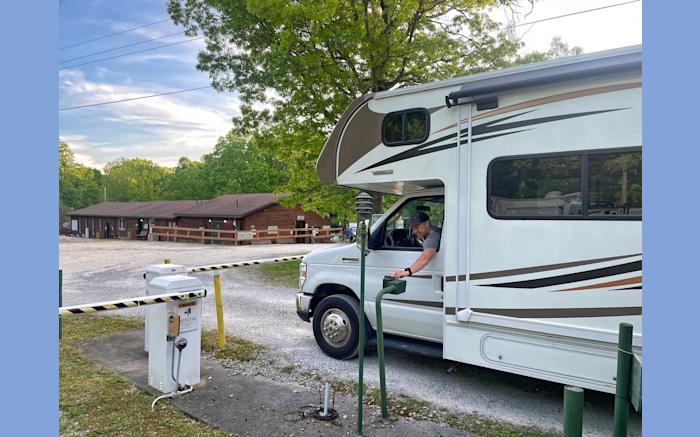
(336, 326)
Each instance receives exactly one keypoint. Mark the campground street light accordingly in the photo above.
(363, 206)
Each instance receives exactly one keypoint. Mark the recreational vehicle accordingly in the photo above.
(534, 175)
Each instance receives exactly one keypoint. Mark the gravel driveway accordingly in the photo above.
(99, 270)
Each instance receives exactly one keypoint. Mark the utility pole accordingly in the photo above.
(105, 187)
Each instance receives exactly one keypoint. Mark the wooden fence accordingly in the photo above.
(243, 236)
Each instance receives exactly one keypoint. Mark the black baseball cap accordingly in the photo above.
(417, 218)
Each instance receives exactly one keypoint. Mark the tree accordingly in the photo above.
(187, 181)
(135, 180)
(79, 186)
(239, 166)
(307, 60)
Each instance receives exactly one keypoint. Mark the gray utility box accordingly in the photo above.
(163, 357)
(152, 272)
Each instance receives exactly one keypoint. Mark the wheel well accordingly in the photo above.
(326, 290)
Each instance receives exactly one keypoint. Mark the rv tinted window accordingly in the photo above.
(406, 127)
(615, 184)
(392, 128)
(416, 126)
(536, 187)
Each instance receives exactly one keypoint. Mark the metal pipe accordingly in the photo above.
(573, 411)
(622, 387)
(60, 302)
(380, 351)
(390, 287)
(362, 231)
(326, 399)
(219, 311)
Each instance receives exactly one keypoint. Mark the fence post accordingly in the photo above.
(573, 411)
(219, 311)
(622, 386)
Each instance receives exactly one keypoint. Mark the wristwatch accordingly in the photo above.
(408, 269)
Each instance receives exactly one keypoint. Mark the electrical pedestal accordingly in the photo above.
(174, 335)
(152, 272)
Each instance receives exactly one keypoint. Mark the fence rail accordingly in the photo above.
(177, 233)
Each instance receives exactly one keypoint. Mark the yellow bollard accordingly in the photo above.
(166, 261)
(219, 312)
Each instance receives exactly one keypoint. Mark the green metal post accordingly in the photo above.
(622, 387)
(380, 351)
(60, 301)
(362, 231)
(573, 411)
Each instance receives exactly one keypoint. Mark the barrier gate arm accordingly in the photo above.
(131, 303)
(244, 263)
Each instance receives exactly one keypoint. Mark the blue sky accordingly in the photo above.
(165, 128)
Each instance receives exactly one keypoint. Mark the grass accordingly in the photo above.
(284, 273)
(95, 401)
(237, 349)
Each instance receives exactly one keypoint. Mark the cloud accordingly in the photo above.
(161, 128)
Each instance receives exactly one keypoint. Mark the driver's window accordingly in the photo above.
(397, 234)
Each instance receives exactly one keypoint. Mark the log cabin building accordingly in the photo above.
(244, 212)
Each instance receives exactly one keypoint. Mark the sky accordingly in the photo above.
(165, 128)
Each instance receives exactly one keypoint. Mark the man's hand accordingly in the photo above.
(399, 274)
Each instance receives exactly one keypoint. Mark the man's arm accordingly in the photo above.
(421, 262)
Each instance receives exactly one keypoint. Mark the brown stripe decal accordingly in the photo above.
(560, 313)
(544, 268)
(550, 99)
(635, 280)
(424, 303)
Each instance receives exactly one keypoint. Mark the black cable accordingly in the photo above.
(134, 98)
(566, 15)
(112, 34)
(130, 53)
(120, 47)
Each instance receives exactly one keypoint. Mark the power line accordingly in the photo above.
(566, 15)
(114, 33)
(121, 47)
(130, 53)
(134, 98)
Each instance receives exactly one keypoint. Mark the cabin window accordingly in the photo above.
(406, 127)
(121, 223)
(581, 185)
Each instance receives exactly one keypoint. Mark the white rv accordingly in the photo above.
(534, 175)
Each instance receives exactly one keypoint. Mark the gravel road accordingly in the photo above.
(100, 270)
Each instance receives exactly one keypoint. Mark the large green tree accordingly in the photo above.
(135, 179)
(305, 61)
(240, 166)
(79, 186)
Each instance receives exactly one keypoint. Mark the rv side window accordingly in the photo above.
(615, 184)
(535, 187)
(406, 127)
(553, 186)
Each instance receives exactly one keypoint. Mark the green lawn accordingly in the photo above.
(96, 401)
(284, 273)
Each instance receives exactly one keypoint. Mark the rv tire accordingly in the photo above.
(336, 327)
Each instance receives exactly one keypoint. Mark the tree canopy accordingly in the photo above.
(297, 65)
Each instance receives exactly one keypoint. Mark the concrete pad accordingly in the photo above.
(248, 406)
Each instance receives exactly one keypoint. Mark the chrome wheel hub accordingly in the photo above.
(335, 326)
